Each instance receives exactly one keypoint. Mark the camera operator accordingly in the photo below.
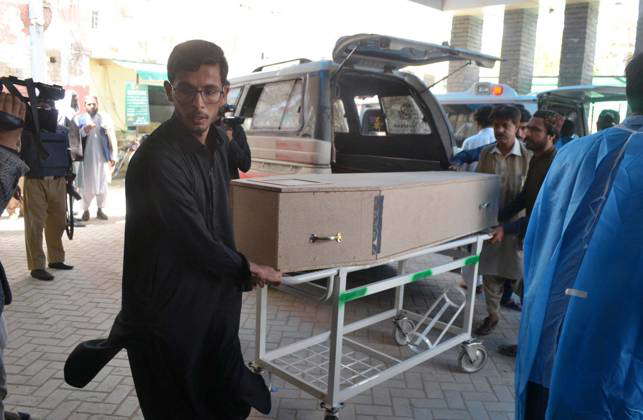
(238, 150)
(11, 169)
(45, 194)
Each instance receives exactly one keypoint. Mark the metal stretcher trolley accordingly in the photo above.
(335, 368)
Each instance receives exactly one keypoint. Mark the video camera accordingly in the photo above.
(229, 118)
(37, 118)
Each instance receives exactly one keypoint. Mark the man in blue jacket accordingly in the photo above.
(581, 336)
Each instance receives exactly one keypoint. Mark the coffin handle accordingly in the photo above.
(339, 237)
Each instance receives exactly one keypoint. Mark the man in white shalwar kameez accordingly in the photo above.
(99, 156)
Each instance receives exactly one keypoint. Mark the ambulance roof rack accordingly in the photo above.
(298, 60)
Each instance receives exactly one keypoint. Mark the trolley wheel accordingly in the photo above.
(255, 368)
(330, 413)
(403, 328)
(472, 366)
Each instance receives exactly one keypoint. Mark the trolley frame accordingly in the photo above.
(330, 391)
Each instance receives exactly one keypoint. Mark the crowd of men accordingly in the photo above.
(520, 150)
(183, 278)
(83, 149)
(522, 157)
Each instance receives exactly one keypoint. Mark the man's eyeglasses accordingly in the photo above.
(186, 93)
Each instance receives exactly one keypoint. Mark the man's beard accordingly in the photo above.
(534, 147)
(199, 130)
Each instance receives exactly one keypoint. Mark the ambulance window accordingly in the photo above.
(233, 96)
(249, 105)
(404, 116)
(371, 118)
(461, 119)
(279, 106)
(291, 119)
(340, 122)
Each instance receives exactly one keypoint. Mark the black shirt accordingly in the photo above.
(178, 220)
(182, 285)
(239, 158)
(526, 199)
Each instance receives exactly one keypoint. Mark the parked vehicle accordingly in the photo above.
(583, 103)
(460, 106)
(357, 113)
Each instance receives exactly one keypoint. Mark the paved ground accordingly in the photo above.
(47, 320)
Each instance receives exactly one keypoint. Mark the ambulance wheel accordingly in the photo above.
(470, 365)
(331, 417)
(403, 328)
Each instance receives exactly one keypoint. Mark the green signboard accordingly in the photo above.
(137, 105)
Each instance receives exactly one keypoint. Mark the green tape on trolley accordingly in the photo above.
(421, 275)
(473, 260)
(352, 295)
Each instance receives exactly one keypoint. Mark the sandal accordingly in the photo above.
(508, 350)
(486, 327)
(512, 305)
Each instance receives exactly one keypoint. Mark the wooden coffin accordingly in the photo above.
(306, 222)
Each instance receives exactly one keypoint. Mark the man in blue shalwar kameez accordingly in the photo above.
(581, 337)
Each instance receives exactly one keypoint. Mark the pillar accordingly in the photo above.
(466, 32)
(518, 48)
(579, 43)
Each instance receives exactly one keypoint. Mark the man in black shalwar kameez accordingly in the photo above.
(182, 277)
